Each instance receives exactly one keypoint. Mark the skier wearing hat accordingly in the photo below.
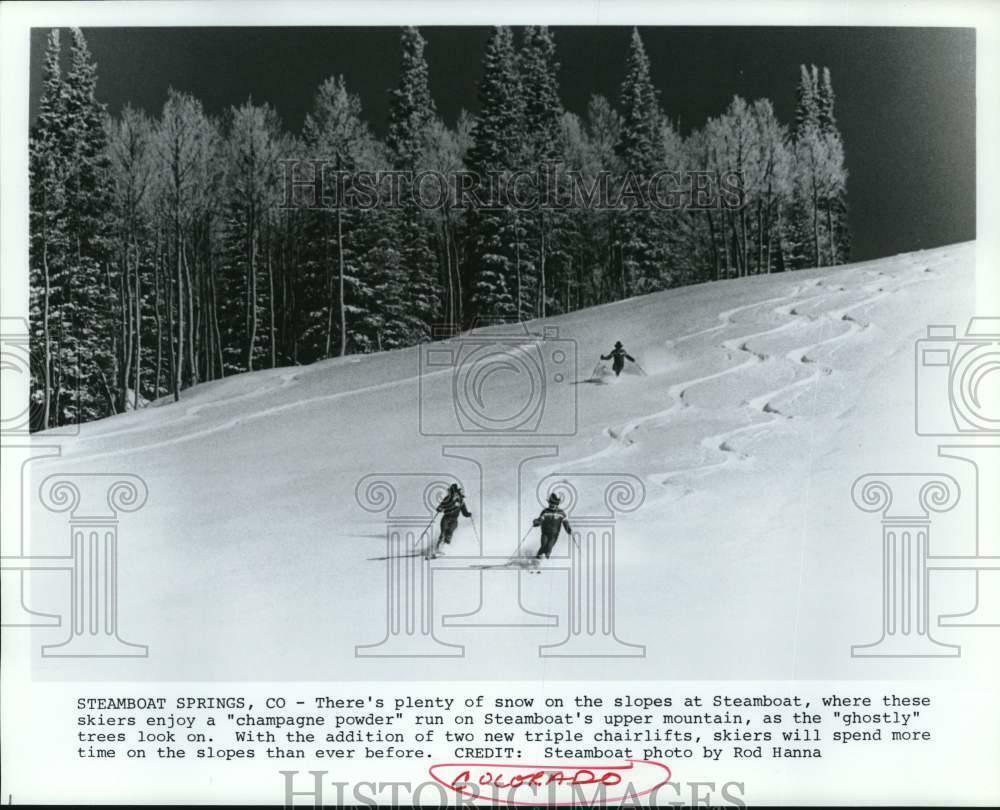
(619, 355)
(551, 519)
(451, 506)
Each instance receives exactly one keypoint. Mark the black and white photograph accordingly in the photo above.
(532, 405)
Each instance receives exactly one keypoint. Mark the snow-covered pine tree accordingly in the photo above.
(825, 116)
(836, 206)
(496, 148)
(546, 243)
(799, 244)
(411, 114)
(88, 344)
(807, 111)
(820, 176)
(411, 107)
(600, 262)
(638, 238)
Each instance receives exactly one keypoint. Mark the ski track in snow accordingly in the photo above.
(764, 416)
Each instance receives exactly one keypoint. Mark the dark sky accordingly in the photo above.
(905, 96)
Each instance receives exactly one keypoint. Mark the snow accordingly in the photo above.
(764, 399)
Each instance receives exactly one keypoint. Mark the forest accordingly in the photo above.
(163, 252)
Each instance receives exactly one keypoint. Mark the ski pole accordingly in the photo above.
(644, 373)
(476, 532)
(426, 529)
(523, 538)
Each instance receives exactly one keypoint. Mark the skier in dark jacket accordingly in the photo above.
(451, 506)
(619, 355)
(551, 520)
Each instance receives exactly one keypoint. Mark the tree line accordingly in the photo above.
(163, 254)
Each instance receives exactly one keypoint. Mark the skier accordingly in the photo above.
(619, 355)
(451, 506)
(551, 519)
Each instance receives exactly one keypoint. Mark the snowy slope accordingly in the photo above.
(765, 398)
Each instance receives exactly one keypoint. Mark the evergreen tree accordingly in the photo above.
(496, 273)
(543, 108)
(836, 207)
(637, 235)
(411, 107)
(806, 104)
(89, 339)
(545, 230)
(825, 118)
(818, 215)
(411, 114)
(640, 110)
